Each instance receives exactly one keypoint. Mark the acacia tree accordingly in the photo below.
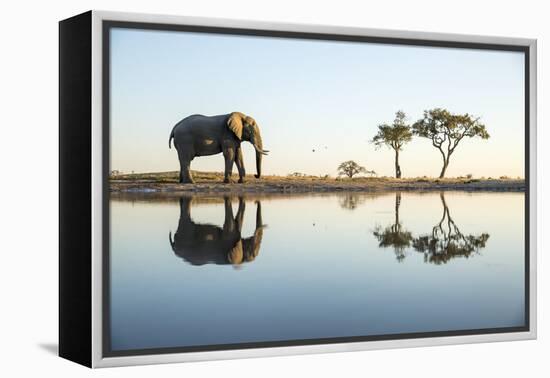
(394, 136)
(350, 168)
(446, 130)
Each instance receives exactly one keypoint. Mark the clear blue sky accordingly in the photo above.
(305, 95)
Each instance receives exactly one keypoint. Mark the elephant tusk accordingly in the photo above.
(263, 152)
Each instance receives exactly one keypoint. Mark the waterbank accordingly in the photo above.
(212, 183)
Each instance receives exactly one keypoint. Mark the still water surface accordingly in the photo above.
(214, 270)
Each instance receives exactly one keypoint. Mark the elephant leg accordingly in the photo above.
(240, 164)
(229, 156)
(185, 166)
(185, 174)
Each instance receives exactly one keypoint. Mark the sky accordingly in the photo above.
(306, 95)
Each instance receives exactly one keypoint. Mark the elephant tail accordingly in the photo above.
(170, 239)
(171, 137)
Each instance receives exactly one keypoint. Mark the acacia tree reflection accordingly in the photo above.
(394, 236)
(446, 242)
(443, 244)
(350, 201)
(201, 244)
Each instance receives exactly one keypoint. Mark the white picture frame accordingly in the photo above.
(91, 348)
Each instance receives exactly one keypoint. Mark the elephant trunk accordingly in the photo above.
(258, 146)
(258, 164)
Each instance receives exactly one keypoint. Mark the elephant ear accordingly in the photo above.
(235, 255)
(235, 124)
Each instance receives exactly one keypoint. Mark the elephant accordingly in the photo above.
(199, 135)
(201, 244)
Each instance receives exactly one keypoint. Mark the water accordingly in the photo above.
(313, 266)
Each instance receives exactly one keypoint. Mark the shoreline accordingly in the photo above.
(252, 186)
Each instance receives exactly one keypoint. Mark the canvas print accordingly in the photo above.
(285, 190)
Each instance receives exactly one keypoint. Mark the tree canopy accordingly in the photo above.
(446, 131)
(350, 168)
(394, 136)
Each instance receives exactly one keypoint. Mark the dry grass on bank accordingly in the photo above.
(213, 181)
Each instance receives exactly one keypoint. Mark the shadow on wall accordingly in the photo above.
(51, 348)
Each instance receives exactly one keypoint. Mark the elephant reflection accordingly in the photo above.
(446, 242)
(394, 235)
(201, 244)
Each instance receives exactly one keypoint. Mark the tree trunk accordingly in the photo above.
(397, 167)
(445, 165)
